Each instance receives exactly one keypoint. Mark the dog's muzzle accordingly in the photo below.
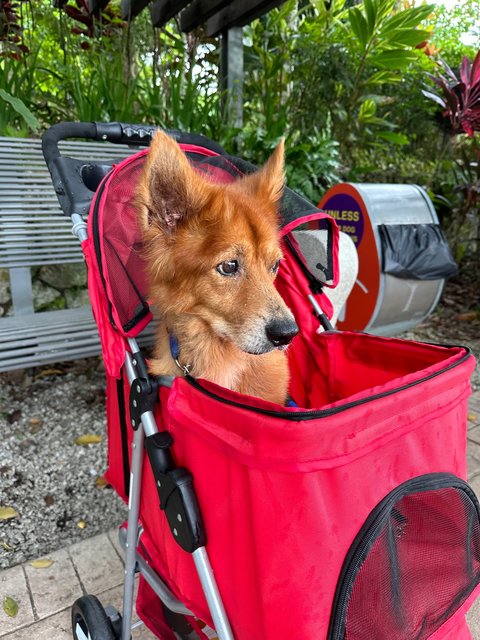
(281, 332)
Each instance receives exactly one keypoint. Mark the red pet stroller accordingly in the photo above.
(344, 517)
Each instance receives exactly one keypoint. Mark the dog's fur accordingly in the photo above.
(192, 230)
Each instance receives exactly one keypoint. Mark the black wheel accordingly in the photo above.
(89, 620)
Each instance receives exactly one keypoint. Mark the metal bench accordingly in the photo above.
(34, 232)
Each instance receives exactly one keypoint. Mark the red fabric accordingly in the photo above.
(150, 611)
(455, 629)
(283, 500)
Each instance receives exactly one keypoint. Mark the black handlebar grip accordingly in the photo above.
(117, 132)
(123, 133)
(63, 131)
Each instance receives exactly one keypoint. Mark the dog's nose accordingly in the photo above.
(281, 332)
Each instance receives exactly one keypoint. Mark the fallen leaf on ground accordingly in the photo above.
(10, 606)
(472, 417)
(101, 483)
(6, 546)
(49, 372)
(7, 513)
(88, 438)
(49, 500)
(81, 524)
(468, 316)
(35, 422)
(42, 563)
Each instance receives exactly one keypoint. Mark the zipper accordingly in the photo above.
(370, 531)
(312, 414)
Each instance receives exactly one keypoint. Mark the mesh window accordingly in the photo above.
(419, 570)
(121, 247)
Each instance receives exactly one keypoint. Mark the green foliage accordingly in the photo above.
(456, 30)
(340, 80)
(19, 107)
(381, 49)
(18, 85)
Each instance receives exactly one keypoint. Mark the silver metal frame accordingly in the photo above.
(134, 561)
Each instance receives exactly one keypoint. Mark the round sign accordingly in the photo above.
(348, 215)
(344, 203)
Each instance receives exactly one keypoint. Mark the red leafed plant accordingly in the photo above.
(460, 97)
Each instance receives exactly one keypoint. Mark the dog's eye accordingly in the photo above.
(276, 266)
(228, 268)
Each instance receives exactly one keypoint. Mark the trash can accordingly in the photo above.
(403, 255)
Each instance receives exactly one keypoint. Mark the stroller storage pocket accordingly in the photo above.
(414, 563)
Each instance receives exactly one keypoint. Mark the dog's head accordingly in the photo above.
(213, 250)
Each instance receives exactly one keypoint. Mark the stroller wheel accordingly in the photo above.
(90, 621)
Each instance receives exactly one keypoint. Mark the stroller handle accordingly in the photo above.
(75, 181)
(117, 132)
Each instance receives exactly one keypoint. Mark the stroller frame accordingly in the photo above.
(133, 559)
(75, 202)
(372, 465)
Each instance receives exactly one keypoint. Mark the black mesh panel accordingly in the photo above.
(421, 567)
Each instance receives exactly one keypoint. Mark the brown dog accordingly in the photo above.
(213, 253)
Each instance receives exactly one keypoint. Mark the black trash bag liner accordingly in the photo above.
(416, 252)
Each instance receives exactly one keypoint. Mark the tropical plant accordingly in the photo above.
(383, 46)
(19, 91)
(19, 107)
(459, 97)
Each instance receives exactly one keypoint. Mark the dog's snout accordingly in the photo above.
(281, 332)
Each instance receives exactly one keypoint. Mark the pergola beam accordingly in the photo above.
(163, 10)
(239, 14)
(94, 6)
(131, 8)
(199, 11)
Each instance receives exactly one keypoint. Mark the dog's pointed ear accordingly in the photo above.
(169, 190)
(269, 181)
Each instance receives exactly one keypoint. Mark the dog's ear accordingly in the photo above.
(268, 182)
(169, 190)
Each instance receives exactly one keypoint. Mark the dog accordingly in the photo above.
(212, 253)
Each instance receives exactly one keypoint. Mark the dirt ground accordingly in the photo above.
(53, 446)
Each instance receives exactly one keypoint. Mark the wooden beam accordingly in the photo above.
(199, 11)
(94, 6)
(163, 10)
(239, 14)
(131, 8)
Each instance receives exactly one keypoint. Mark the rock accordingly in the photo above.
(77, 298)
(64, 276)
(4, 287)
(44, 296)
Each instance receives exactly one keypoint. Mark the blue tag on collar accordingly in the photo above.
(174, 346)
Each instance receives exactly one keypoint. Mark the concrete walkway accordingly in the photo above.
(45, 595)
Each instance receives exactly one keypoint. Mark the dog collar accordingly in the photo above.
(175, 353)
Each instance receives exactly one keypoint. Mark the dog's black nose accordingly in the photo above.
(281, 332)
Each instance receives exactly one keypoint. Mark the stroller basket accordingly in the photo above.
(346, 517)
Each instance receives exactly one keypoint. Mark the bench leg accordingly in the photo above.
(21, 290)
